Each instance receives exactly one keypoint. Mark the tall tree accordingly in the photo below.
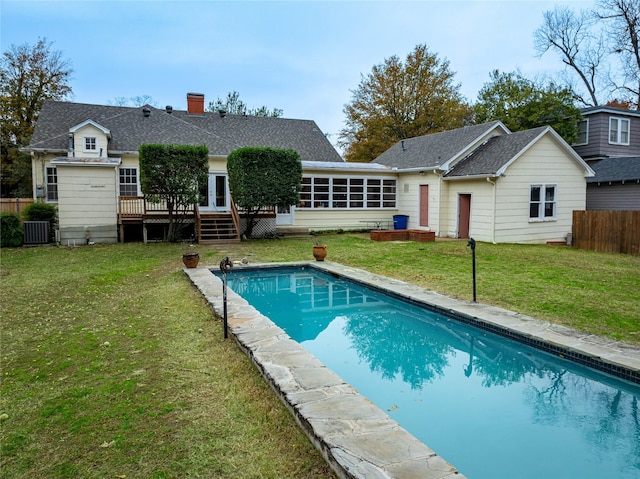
(174, 174)
(263, 177)
(622, 19)
(522, 104)
(29, 75)
(235, 106)
(401, 100)
(571, 35)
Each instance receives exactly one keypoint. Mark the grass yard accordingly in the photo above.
(114, 366)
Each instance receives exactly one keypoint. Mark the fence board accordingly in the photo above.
(14, 205)
(607, 231)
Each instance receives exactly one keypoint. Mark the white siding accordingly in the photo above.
(409, 198)
(544, 163)
(481, 218)
(86, 201)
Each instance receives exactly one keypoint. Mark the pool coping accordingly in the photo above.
(357, 438)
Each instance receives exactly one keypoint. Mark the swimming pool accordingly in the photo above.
(492, 407)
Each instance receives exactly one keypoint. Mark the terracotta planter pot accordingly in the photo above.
(319, 252)
(191, 260)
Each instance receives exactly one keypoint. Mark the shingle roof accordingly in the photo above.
(489, 158)
(432, 151)
(130, 128)
(616, 169)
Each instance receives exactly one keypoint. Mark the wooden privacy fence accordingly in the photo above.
(607, 231)
(14, 205)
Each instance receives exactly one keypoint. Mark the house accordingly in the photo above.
(486, 182)
(481, 180)
(85, 160)
(609, 141)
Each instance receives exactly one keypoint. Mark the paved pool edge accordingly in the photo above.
(358, 439)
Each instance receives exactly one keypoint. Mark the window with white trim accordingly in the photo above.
(542, 202)
(52, 183)
(619, 131)
(128, 182)
(583, 132)
(90, 143)
(347, 192)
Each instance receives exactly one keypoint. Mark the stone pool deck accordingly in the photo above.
(358, 439)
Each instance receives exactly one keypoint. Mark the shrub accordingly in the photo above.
(42, 212)
(11, 233)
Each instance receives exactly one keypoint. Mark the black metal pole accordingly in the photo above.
(472, 244)
(223, 267)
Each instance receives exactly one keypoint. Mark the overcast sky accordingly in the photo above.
(304, 57)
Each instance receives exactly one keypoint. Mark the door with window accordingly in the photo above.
(216, 197)
(284, 215)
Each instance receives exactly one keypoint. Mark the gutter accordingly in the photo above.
(493, 211)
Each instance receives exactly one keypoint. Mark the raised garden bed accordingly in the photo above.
(403, 235)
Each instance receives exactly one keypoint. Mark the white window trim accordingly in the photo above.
(365, 179)
(541, 217)
(586, 142)
(84, 144)
(47, 184)
(137, 179)
(619, 121)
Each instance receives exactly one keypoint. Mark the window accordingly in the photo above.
(542, 202)
(90, 143)
(583, 132)
(619, 131)
(128, 182)
(52, 183)
(329, 192)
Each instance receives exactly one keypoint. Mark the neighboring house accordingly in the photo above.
(609, 141)
(85, 160)
(486, 182)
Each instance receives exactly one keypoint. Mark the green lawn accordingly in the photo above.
(114, 366)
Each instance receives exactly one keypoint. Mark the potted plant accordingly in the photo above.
(319, 251)
(190, 258)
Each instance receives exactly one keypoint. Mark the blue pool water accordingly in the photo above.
(492, 407)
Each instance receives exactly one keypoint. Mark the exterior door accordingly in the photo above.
(216, 198)
(464, 215)
(284, 215)
(424, 205)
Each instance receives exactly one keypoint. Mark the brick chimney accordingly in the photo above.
(195, 103)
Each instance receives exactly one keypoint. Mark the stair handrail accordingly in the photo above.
(236, 218)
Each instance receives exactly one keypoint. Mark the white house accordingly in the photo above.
(480, 180)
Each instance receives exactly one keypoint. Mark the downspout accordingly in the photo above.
(493, 213)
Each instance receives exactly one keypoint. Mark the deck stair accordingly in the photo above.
(216, 228)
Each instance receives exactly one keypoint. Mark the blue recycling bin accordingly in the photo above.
(400, 222)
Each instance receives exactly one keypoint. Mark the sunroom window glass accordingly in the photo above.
(52, 183)
(343, 192)
(340, 192)
(356, 192)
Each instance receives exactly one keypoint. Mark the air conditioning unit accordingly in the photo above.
(36, 232)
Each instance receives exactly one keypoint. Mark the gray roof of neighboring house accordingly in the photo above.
(493, 155)
(431, 151)
(616, 169)
(130, 128)
(608, 109)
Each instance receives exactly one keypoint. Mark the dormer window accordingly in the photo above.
(618, 131)
(90, 143)
(583, 132)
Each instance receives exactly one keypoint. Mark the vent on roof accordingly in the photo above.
(146, 112)
(169, 109)
(222, 113)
